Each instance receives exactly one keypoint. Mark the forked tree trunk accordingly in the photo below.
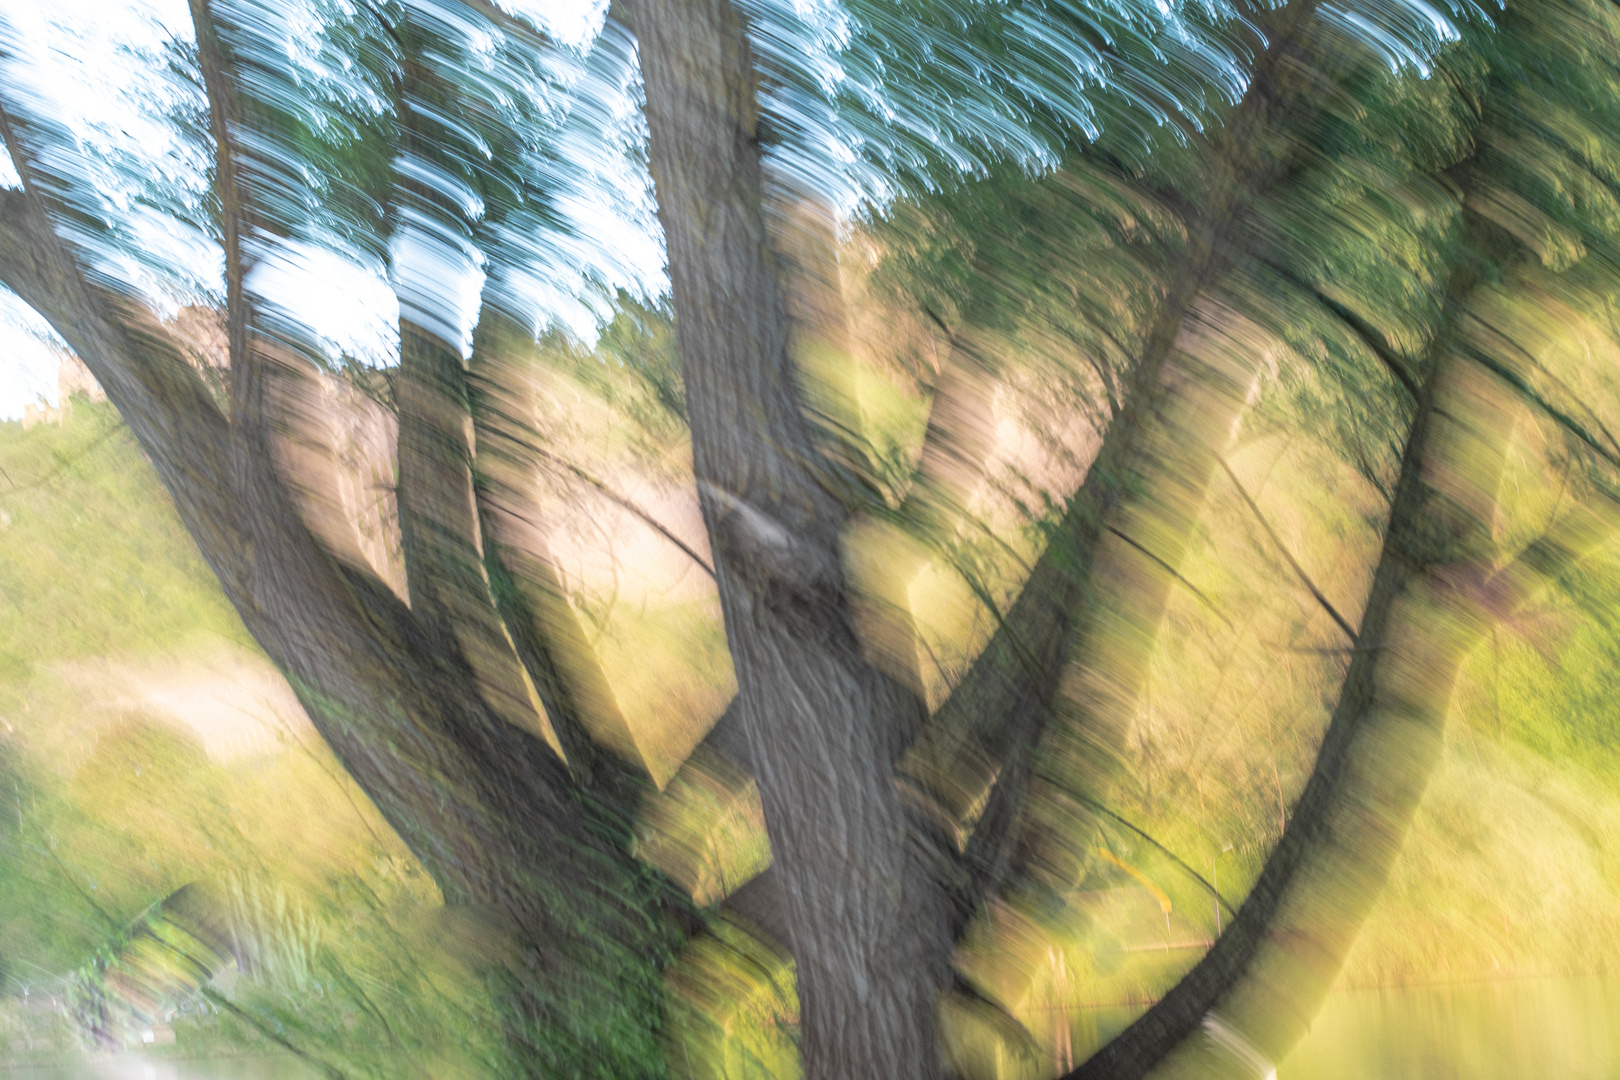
(489, 809)
(867, 922)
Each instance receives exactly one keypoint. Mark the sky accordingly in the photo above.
(70, 44)
(27, 364)
(71, 48)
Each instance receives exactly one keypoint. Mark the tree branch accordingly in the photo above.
(823, 726)
(1535, 399)
(479, 802)
(445, 564)
(624, 503)
(1260, 983)
(1363, 330)
(439, 526)
(991, 712)
(552, 646)
(247, 390)
(167, 408)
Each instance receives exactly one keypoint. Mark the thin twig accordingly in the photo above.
(1558, 416)
(1276, 540)
(625, 503)
(1177, 859)
(982, 594)
(1359, 326)
(64, 466)
(1173, 572)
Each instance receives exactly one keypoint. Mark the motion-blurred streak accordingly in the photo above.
(1264, 153)
(152, 968)
(1130, 242)
(1513, 296)
(565, 672)
(1134, 571)
(1268, 972)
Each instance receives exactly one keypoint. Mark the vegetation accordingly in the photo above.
(1209, 404)
(147, 751)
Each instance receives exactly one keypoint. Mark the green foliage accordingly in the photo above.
(634, 368)
(734, 1009)
(113, 802)
(1437, 157)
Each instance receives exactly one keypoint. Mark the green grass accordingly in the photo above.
(108, 803)
(96, 561)
(1512, 866)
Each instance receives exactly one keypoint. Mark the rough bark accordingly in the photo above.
(439, 525)
(1111, 568)
(867, 923)
(438, 511)
(345, 643)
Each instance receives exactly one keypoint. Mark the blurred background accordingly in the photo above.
(979, 248)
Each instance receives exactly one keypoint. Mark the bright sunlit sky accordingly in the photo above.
(70, 51)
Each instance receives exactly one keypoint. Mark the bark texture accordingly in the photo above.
(867, 921)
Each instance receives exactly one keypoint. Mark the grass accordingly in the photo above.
(96, 560)
(130, 767)
(108, 803)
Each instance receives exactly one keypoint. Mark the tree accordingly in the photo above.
(1390, 207)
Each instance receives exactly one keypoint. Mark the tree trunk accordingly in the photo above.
(489, 809)
(1254, 994)
(868, 921)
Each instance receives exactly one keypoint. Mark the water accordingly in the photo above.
(1564, 1028)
